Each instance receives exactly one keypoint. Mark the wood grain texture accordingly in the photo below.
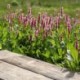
(39, 67)
(11, 72)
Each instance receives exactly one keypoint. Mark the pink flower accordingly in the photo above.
(76, 44)
(21, 18)
(57, 21)
(33, 22)
(43, 23)
(69, 27)
(68, 22)
(39, 18)
(25, 21)
(36, 33)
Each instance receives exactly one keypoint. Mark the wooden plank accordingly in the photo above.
(11, 72)
(7, 54)
(43, 68)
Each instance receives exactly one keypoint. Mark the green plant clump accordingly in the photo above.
(54, 39)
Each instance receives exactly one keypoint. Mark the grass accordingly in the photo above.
(41, 5)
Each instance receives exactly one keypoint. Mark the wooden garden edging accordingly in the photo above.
(49, 71)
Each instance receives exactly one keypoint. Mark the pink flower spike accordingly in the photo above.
(36, 33)
(76, 44)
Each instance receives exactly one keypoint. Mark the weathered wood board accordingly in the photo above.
(11, 72)
(34, 66)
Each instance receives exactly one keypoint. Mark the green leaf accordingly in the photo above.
(74, 52)
(0, 46)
